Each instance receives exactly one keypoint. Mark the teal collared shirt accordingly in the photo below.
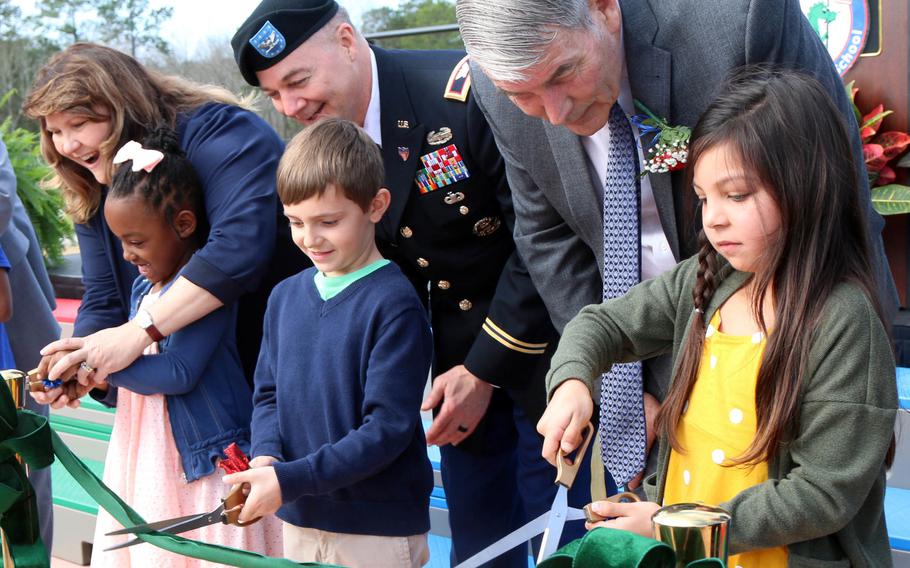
(331, 286)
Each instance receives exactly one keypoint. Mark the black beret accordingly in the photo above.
(275, 29)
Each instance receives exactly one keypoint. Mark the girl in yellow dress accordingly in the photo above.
(783, 399)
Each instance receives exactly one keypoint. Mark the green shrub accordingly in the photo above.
(45, 208)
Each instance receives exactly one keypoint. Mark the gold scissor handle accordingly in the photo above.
(624, 497)
(567, 469)
(233, 503)
(34, 383)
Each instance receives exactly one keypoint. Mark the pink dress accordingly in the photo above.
(143, 467)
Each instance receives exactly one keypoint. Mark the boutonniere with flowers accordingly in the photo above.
(668, 148)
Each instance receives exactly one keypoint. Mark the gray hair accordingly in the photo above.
(508, 37)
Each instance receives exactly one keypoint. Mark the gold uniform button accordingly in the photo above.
(423, 263)
(444, 284)
(463, 210)
(465, 305)
(406, 232)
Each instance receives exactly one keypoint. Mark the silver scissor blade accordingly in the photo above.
(180, 525)
(216, 516)
(555, 523)
(149, 527)
(508, 542)
(573, 514)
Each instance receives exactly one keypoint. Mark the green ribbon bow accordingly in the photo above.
(28, 434)
(611, 548)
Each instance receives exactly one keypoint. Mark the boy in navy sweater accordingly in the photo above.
(339, 448)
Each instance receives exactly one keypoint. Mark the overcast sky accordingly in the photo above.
(194, 22)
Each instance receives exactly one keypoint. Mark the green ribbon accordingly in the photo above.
(29, 435)
(611, 548)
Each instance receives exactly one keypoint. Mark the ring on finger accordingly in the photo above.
(86, 367)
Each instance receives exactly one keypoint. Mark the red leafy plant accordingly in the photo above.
(882, 153)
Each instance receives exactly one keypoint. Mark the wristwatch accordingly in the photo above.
(144, 320)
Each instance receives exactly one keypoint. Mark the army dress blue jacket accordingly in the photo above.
(449, 225)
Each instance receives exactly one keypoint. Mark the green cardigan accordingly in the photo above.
(824, 497)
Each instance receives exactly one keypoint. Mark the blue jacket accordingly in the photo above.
(338, 391)
(198, 369)
(7, 361)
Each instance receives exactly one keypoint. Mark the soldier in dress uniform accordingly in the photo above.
(449, 228)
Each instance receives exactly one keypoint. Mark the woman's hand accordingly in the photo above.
(104, 352)
(69, 393)
(50, 359)
(567, 414)
(632, 517)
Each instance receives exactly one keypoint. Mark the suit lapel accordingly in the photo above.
(649, 68)
(402, 139)
(583, 198)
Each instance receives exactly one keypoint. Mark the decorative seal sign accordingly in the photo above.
(842, 26)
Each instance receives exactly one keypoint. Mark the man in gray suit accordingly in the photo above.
(547, 74)
(33, 325)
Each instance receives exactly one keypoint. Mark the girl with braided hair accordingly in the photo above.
(783, 399)
(186, 398)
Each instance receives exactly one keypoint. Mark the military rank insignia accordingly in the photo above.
(441, 168)
(459, 81)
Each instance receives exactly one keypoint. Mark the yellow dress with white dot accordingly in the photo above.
(718, 423)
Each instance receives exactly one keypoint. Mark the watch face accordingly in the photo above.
(143, 318)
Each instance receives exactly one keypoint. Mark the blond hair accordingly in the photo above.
(103, 84)
(332, 152)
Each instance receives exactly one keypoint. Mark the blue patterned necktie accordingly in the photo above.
(622, 417)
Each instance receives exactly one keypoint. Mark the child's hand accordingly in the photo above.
(632, 517)
(264, 496)
(262, 461)
(566, 416)
(51, 397)
(73, 391)
(67, 394)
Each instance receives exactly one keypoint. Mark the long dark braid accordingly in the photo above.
(690, 358)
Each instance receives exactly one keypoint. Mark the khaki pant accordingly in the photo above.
(355, 550)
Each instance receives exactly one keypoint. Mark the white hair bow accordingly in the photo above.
(143, 159)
